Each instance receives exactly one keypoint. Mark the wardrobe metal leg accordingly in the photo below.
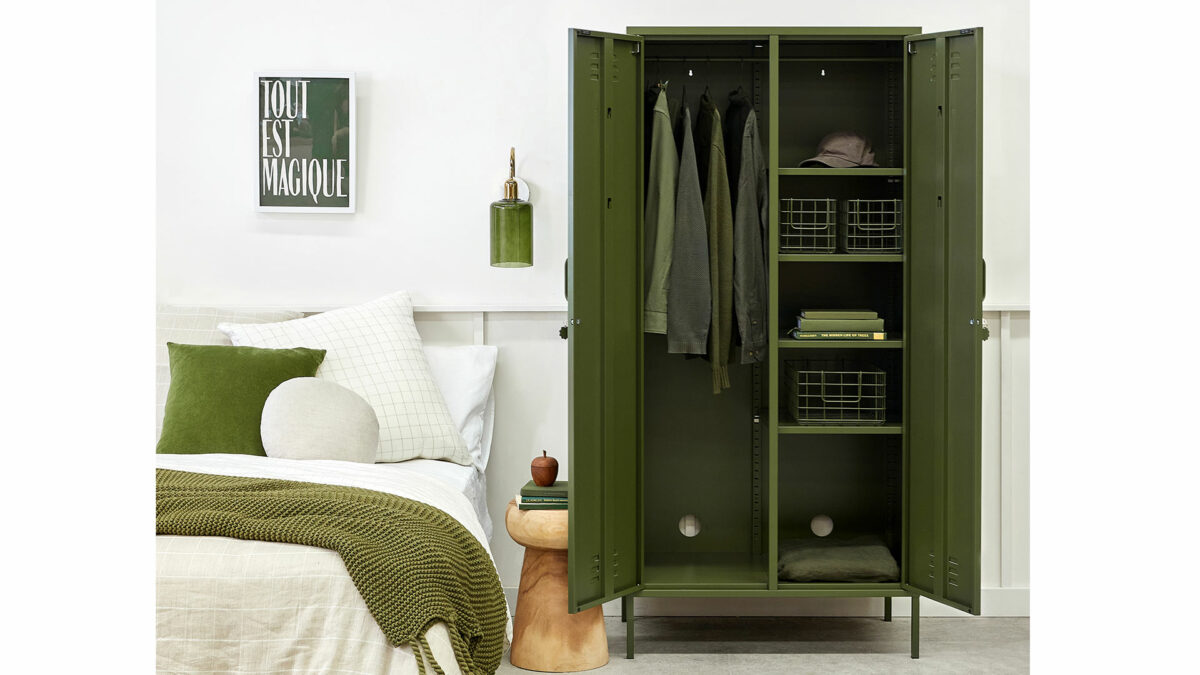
(624, 608)
(627, 609)
(916, 626)
(887, 608)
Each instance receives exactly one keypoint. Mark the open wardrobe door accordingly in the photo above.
(603, 316)
(943, 347)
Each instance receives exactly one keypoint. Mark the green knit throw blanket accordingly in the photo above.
(413, 564)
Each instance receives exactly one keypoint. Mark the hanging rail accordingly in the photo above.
(797, 59)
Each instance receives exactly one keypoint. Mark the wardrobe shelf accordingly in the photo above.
(704, 569)
(785, 343)
(823, 171)
(872, 429)
(785, 590)
(841, 257)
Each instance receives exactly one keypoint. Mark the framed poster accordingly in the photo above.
(306, 140)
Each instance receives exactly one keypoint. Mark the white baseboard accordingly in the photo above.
(995, 601)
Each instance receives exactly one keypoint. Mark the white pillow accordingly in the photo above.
(464, 374)
(309, 418)
(374, 350)
(197, 326)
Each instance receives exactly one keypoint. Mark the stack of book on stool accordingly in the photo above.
(536, 498)
(838, 324)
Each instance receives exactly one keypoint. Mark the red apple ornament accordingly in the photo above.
(544, 470)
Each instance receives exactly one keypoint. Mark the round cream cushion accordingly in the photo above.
(308, 418)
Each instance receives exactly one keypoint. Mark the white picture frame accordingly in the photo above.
(294, 111)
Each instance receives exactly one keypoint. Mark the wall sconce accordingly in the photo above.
(512, 224)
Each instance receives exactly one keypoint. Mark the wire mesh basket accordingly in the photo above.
(808, 225)
(836, 391)
(873, 226)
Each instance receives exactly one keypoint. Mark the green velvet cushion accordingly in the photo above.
(217, 393)
(862, 558)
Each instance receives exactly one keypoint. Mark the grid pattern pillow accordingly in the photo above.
(374, 350)
(196, 326)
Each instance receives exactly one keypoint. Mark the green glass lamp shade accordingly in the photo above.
(512, 233)
(512, 224)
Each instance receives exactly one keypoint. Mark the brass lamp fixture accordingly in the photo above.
(512, 224)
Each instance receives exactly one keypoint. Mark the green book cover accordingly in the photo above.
(859, 325)
(528, 506)
(544, 500)
(797, 334)
(839, 314)
(559, 489)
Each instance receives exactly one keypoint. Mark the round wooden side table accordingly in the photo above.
(545, 637)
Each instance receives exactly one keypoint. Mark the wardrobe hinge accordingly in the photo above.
(912, 48)
(637, 48)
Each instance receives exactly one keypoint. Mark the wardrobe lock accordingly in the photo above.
(984, 332)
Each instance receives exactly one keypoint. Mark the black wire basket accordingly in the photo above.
(836, 391)
(808, 225)
(873, 226)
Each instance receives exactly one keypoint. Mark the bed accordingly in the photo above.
(231, 605)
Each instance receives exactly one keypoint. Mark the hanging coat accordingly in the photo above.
(749, 230)
(718, 215)
(735, 122)
(689, 291)
(660, 217)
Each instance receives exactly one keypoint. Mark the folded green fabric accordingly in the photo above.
(862, 558)
(413, 564)
(217, 393)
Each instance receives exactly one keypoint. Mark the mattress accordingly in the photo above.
(468, 480)
(231, 606)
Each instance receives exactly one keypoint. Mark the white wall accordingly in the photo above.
(443, 90)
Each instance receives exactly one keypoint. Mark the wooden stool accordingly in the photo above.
(545, 636)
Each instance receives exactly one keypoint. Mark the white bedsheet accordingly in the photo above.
(231, 606)
(468, 480)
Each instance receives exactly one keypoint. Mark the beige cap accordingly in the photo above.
(842, 149)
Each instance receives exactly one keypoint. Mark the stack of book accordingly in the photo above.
(838, 324)
(535, 498)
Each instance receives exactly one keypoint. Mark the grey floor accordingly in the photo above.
(703, 645)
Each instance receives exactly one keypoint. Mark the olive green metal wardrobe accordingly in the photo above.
(649, 441)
